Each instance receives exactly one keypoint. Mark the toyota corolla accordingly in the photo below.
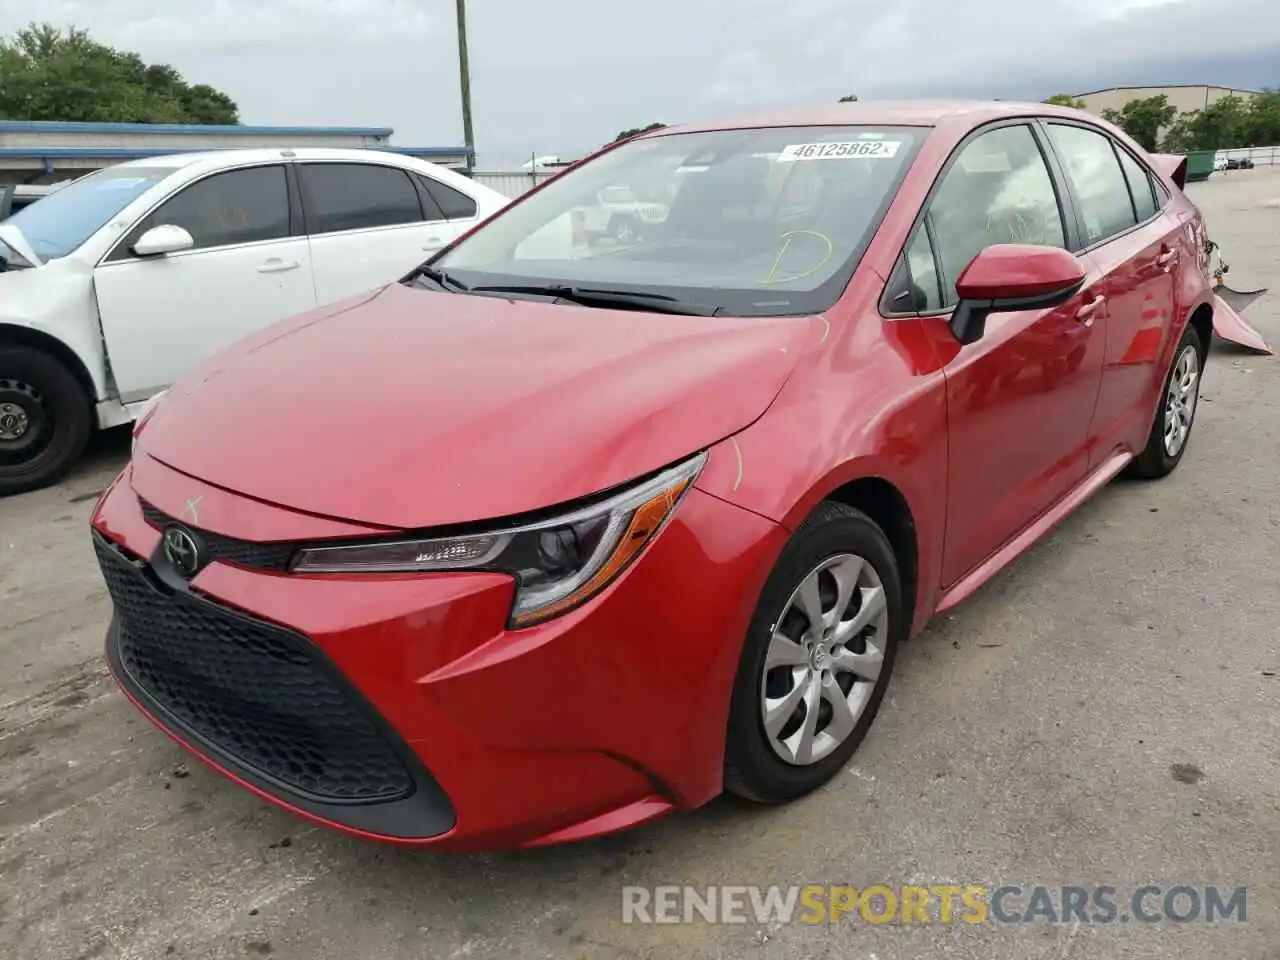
(564, 532)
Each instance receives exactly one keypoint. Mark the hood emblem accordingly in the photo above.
(182, 550)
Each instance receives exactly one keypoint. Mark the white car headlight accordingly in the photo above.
(558, 564)
(145, 414)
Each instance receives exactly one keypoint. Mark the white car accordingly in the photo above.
(115, 285)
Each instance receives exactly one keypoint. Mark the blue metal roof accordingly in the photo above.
(131, 153)
(60, 126)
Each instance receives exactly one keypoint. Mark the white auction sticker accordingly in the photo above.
(851, 150)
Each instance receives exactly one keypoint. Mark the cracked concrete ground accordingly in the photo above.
(1104, 713)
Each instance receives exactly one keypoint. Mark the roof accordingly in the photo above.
(139, 153)
(187, 129)
(903, 113)
(1166, 86)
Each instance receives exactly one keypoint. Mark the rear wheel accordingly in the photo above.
(45, 419)
(1176, 412)
(817, 658)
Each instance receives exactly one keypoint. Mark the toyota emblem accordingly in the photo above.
(181, 550)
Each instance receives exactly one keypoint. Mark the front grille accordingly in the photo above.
(241, 553)
(264, 696)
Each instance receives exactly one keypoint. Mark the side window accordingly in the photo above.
(358, 196)
(1144, 201)
(455, 204)
(998, 190)
(914, 287)
(239, 206)
(1098, 180)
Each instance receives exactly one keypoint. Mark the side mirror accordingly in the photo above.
(166, 238)
(1013, 276)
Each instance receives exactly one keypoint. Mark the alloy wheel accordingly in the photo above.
(824, 658)
(1181, 399)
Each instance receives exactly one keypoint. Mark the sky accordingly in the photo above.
(564, 76)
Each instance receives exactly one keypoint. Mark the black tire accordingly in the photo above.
(753, 770)
(45, 419)
(1156, 460)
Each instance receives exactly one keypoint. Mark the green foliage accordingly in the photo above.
(1066, 100)
(51, 74)
(1144, 119)
(636, 131)
(851, 98)
(1227, 123)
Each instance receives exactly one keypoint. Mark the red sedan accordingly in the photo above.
(564, 532)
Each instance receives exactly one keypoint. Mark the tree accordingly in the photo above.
(1227, 122)
(636, 131)
(1066, 100)
(851, 98)
(1144, 119)
(50, 74)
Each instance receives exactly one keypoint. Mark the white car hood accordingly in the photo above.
(14, 238)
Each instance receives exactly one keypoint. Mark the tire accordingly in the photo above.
(755, 766)
(1160, 458)
(45, 419)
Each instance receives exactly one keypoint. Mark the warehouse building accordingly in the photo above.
(1184, 96)
(47, 152)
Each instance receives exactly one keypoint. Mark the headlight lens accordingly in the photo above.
(143, 416)
(558, 564)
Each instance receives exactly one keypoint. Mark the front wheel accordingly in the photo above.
(1176, 412)
(45, 420)
(817, 658)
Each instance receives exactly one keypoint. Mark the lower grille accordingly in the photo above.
(264, 696)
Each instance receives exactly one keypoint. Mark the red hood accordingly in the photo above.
(415, 409)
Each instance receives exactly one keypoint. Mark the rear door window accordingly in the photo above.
(1140, 186)
(455, 204)
(358, 196)
(1097, 180)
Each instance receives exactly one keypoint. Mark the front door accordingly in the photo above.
(1020, 400)
(370, 224)
(163, 315)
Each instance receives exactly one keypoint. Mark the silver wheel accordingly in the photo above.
(824, 658)
(1181, 399)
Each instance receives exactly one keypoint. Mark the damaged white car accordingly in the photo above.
(115, 285)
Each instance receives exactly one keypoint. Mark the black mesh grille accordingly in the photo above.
(263, 695)
(241, 553)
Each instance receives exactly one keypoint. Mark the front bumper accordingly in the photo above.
(400, 707)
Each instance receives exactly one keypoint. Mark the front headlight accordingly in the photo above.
(558, 564)
(145, 414)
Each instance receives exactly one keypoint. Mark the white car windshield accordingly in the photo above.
(56, 225)
(749, 222)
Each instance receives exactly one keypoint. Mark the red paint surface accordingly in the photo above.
(407, 408)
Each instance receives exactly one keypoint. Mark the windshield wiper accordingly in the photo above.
(592, 297)
(438, 277)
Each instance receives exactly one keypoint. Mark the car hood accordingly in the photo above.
(413, 409)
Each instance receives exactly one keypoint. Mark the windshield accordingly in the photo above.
(59, 223)
(755, 222)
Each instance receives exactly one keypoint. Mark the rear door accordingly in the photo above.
(1134, 244)
(250, 267)
(369, 225)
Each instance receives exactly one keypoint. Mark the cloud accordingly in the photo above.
(563, 76)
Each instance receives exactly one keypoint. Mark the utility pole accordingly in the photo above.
(465, 70)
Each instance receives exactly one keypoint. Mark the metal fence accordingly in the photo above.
(1261, 156)
(511, 183)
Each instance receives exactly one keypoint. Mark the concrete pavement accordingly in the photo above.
(1106, 712)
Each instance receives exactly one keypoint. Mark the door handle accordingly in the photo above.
(1167, 258)
(276, 265)
(1086, 313)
